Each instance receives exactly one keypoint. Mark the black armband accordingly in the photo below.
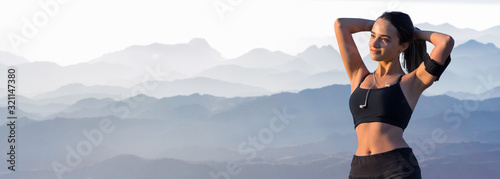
(435, 68)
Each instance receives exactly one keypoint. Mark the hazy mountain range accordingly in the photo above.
(183, 111)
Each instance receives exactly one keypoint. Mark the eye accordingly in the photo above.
(372, 36)
(385, 40)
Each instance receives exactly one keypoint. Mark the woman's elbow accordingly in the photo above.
(449, 41)
(338, 22)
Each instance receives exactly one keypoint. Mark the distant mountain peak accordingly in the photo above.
(199, 42)
(473, 44)
(259, 50)
(202, 44)
(329, 47)
(312, 48)
(446, 25)
(315, 49)
(7, 58)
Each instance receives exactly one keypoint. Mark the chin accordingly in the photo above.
(376, 58)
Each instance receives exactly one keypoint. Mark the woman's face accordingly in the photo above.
(384, 41)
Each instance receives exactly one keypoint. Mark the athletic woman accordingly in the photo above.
(382, 102)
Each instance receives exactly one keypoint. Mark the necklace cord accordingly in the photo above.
(373, 84)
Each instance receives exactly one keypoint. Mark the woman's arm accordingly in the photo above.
(443, 44)
(344, 28)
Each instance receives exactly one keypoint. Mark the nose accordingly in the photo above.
(375, 42)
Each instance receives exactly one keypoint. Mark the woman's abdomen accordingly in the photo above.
(377, 137)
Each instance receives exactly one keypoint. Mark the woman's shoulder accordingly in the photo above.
(358, 78)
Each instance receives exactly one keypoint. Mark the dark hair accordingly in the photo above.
(416, 52)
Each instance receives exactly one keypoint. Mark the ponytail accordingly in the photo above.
(415, 54)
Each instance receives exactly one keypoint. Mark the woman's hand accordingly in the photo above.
(436, 38)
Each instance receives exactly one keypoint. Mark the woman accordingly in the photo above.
(382, 102)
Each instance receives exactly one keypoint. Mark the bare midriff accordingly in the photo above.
(377, 137)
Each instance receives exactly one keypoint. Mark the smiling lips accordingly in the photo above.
(374, 51)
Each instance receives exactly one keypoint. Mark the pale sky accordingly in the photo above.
(76, 31)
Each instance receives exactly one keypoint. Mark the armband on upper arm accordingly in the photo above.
(434, 68)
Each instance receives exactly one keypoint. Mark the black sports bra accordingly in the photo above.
(386, 105)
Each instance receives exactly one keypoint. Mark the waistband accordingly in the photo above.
(404, 150)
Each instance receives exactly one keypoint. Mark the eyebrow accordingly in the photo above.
(383, 35)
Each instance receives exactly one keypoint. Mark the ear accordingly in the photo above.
(404, 46)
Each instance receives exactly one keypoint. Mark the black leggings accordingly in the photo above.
(395, 164)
